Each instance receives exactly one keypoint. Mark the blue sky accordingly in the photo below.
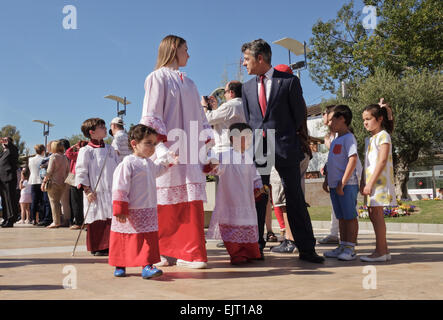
(50, 73)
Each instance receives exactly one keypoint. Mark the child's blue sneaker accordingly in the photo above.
(120, 272)
(150, 271)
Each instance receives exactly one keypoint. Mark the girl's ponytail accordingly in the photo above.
(385, 112)
(388, 120)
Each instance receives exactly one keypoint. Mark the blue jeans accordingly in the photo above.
(344, 206)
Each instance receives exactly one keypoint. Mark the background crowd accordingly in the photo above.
(43, 191)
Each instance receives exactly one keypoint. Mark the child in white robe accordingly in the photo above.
(134, 231)
(91, 159)
(234, 218)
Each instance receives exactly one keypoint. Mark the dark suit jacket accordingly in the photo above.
(8, 163)
(285, 113)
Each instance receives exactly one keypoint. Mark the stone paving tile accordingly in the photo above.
(415, 272)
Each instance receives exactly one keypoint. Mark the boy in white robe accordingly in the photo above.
(234, 219)
(134, 231)
(91, 160)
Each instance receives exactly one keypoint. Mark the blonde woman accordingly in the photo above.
(58, 170)
(172, 102)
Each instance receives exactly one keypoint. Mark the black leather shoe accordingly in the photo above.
(311, 257)
(8, 225)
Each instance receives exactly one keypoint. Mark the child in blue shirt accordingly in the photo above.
(342, 181)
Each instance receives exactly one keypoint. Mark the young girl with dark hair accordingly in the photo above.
(377, 184)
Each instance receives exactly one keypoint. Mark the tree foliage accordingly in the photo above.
(417, 104)
(408, 36)
(12, 132)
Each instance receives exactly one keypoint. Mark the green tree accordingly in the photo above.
(417, 103)
(11, 131)
(408, 36)
(75, 138)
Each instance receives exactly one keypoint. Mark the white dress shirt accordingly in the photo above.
(221, 118)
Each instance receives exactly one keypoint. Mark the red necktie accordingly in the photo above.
(262, 96)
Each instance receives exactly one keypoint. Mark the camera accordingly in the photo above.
(208, 103)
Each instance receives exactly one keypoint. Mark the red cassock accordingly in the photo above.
(172, 107)
(181, 231)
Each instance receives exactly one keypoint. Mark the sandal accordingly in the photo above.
(270, 236)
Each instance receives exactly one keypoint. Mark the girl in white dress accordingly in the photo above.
(234, 218)
(377, 183)
(25, 196)
(172, 107)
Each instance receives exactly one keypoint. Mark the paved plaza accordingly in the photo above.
(36, 263)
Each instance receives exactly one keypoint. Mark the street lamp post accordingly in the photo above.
(120, 113)
(46, 126)
(297, 48)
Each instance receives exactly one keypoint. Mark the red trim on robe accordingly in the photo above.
(208, 167)
(161, 138)
(181, 231)
(96, 144)
(133, 249)
(97, 237)
(120, 207)
(242, 250)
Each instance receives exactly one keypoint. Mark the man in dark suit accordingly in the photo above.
(273, 101)
(8, 182)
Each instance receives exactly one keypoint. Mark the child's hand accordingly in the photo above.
(172, 158)
(362, 187)
(325, 186)
(92, 196)
(339, 189)
(367, 190)
(121, 218)
(258, 192)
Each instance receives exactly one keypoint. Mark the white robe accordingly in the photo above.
(172, 106)
(87, 170)
(134, 183)
(235, 201)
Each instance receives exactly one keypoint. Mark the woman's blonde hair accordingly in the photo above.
(57, 146)
(167, 50)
